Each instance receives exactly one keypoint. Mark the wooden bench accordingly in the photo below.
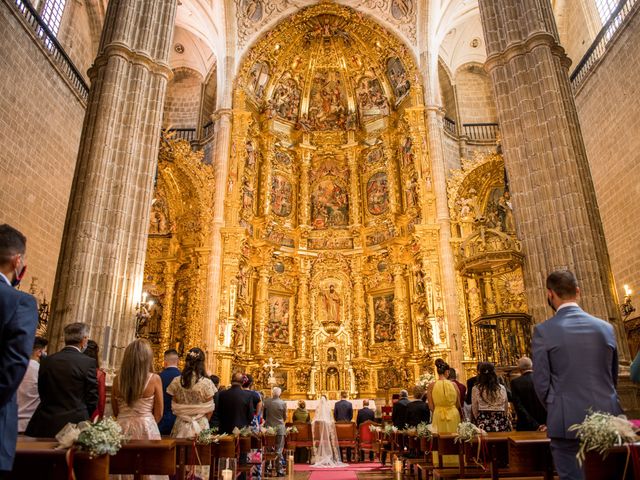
(36, 457)
(597, 467)
(145, 457)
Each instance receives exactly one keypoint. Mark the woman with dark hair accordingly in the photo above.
(93, 351)
(444, 401)
(489, 401)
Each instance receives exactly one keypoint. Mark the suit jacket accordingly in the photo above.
(531, 413)
(575, 360)
(68, 389)
(399, 414)
(168, 418)
(365, 414)
(275, 414)
(235, 409)
(343, 411)
(214, 421)
(18, 321)
(417, 412)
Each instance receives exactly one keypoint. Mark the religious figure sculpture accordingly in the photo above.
(505, 213)
(331, 301)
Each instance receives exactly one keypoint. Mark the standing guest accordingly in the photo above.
(93, 351)
(301, 414)
(28, 396)
(635, 369)
(418, 410)
(18, 321)
(444, 401)
(68, 385)
(275, 413)
(399, 413)
(136, 396)
(235, 407)
(467, 399)
(576, 369)
(343, 410)
(213, 421)
(489, 401)
(453, 377)
(365, 413)
(531, 413)
(192, 401)
(256, 398)
(168, 373)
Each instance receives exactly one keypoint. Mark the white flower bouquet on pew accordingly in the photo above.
(600, 431)
(467, 431)
(423, 430)
(292, 429)
(208, 436)
(103, 437)
(242, 432)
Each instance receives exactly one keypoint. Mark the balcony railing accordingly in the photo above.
(54, 48)
(207, 130)
(188, 134)
(599, 45)
(480, 132)
(450, 126)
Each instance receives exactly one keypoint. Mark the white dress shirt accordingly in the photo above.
(4, 277)
(28, 396)
(568, 304)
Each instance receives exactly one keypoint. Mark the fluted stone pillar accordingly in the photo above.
(100, 269)
(554, 199)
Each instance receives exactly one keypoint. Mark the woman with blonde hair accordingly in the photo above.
(136, 396)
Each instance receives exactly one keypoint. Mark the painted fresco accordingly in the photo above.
(258, 78)
(327, 102)
(329, 205)
(378, 194)
(397, 75)
(384, 328)
(375, 156)
(285, 101)
(278, 324)
(281, 196)
(371, 98)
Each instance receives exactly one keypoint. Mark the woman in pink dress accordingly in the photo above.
(136, 396)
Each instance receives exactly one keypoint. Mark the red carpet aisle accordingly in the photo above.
(350, 472)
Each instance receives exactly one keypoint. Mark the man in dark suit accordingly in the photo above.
(531, 413)
(67, 385)
(365, 413)
(235, 407)
(18, 322)
(576, 360)
(167, 375)
(399, 414)
(343, 410)
(417, 410)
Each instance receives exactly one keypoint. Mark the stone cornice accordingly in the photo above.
(527, 46)
(132, 56)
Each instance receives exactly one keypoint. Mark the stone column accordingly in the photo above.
(554, 200)
(100, 269)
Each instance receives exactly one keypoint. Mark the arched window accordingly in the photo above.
(606, 9)
(52, 14)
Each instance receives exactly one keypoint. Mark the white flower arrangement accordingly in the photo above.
(389, 430)
(208, 436)
(103, 437)
(423, 430)
(375, 428)
(425, 380)
(467, 431)
(292, 429)
(600, 431)
(242, 432)
(269, 430)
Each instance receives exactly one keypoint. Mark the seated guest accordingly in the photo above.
(301, 414)
(93, 351)
(136, 395)
(343, 410)
(67, 384)
(399, 414)
(489, 402)
(531, 413)
(235, 407)
(365, 413)
(417, 410)
(169, 372)
(28, 397)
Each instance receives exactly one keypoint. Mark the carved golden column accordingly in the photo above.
(400, 306)
(417, 128)
(303, 311)
(489, 299)
(170, 269)
(305, 165)
(351, 151)
(266, 173)
(359, 307)
(390, 155)
(262, 310)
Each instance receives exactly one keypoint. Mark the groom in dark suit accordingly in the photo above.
(235, 406)
(67, 385)
(343, 410)
(576, 369)
(18, 322)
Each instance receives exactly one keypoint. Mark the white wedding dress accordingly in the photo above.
(325, 438)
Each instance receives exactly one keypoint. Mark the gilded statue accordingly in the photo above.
(331, 301)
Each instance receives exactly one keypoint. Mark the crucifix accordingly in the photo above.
(270, 366)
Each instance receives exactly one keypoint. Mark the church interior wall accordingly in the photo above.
(76, 36)
(475, 96)
(451, 153)
(182, 103)
(578, 24)
(608, 104)
(41, 123)
(447, 93)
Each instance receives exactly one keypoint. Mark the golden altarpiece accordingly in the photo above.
(330, 258)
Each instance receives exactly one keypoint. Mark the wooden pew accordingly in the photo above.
(35, 457)
(597, 467)
(185, 455)
(145, 457)
(530, 454)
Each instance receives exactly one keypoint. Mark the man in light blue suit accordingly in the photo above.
(18, 322)
(576, 361)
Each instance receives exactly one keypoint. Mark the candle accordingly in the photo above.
(397, 466)
(227, 474)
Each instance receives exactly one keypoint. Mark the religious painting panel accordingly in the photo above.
(411, 192)
(329, 205)
(281, 196)
(252, 9)
(376, 238)
(374, 156)
(327, 102)
(406, 153)
(378, 193)
(278, 322)
(285, 101)
(384, 328)
(278, 237)
(330, 243)
(159, 218)
(397, 75)
(283, 158)
(402, 9)
(258, 78)
(371, 98)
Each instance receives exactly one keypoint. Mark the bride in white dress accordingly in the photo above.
(325, 438)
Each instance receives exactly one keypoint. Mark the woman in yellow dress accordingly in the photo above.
(444, 401)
